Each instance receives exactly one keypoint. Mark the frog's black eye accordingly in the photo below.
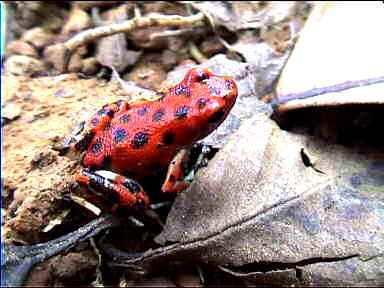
(201, 75)
(201, 103)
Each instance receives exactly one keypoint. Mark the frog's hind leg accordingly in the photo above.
(117, 189)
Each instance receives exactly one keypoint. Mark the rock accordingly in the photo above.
(43, 158)
(64, 92)
(11, 111)
(112, 51)
(147, 75)
(169, 59)
(75, 268)
(38, 37)
(211, 46)
(90, 66)
(78, 20)
(54, 55)
(24, 65)
(28, 14)
(76, 63)
(21, 48)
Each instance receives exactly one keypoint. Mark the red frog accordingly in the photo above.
(137, 139)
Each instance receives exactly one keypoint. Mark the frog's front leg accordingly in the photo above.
(177, 180)
(118, 189)
(174, 181)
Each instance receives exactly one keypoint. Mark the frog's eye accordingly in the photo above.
(201, 75)
(197, 75)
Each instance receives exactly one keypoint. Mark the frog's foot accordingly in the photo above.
(174, 181)
(17, 261)
(117, 189)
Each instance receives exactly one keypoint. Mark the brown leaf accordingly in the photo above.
(258, 207)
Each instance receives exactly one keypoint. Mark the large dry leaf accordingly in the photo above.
(258, 208)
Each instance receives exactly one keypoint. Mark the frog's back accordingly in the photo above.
(146, 136)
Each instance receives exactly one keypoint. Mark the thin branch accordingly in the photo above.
(170, 33)
(130, 25)
(196, 53)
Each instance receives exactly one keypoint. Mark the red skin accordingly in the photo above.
(138, 138)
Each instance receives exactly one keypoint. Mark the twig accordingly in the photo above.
(211, 23)
(82, 202)
(129, 25)
(170, 33)
(195, 53)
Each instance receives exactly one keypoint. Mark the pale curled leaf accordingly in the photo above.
(328, 67)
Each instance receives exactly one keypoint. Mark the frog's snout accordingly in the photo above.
(223, 87)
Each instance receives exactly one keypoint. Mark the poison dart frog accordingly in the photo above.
(126, 142)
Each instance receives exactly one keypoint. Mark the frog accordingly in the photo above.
(126, 142)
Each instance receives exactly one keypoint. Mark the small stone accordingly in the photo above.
(38, 37)
(43, 158)
(75, 64)
(147, 75)
(21, 48)
(211, 46)
(82, 50)
(112, 51)
(54, 55)
(169, 59)
(64, 93)
(90, 66)
(78, 20)
(24, 65)
(11, 111)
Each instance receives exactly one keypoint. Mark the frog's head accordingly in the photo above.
(214, 95)
(218, 86)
